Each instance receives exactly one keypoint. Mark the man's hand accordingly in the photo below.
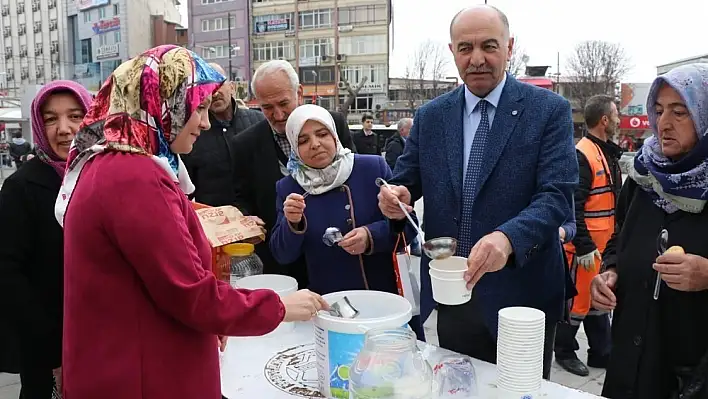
(356, 242)
(489, 254)
(389, 200)
(259, 221)
(222, 342)
(587, 261)
(561, 234)
(683, 272)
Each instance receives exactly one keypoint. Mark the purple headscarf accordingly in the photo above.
(39, 134)
(673, 183)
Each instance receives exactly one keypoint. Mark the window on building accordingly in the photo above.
(360, 45)
(102, 13)
(102, 39)
(316, 19)
(326, 103)
(267, 51)
(274, 23)
(87, 16)
(116, 36)
(361, 104)
(324, 75)
(363, 15)
(376, 74)
(116, 9)
(220, 23)
(316, 47)
(214, 1)
(221, 50)
(86, 55)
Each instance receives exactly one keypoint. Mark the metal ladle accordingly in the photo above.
(435, 248)
(343, 308)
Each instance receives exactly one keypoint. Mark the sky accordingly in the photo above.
(651, 32)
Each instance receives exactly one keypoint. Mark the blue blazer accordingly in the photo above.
(525, 191)
(353, 205)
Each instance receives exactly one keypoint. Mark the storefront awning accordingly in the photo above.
(540, 82)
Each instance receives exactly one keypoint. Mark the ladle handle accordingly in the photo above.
(379, 182)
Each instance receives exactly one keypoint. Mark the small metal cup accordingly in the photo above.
(343, 308)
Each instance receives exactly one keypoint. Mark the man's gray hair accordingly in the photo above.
(404, 122)
(271, 67)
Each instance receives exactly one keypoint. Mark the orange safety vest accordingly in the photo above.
(599, 215)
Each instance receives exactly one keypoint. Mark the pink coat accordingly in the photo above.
(141, 310)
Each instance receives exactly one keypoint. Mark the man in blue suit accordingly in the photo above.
(495, 162)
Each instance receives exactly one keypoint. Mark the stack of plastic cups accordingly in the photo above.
(520, 353)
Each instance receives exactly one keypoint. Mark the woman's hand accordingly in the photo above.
(356, 242)
(601, 289)
(561, 234)
(57, 377)
(294, 207)
(303, 305)
(683, 272)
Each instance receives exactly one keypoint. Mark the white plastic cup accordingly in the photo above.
(450, 291)
(448, 268)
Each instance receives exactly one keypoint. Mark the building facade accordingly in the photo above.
(32, 45)
(333, 44)
(101, 34)
(662, 69)
(209, 34)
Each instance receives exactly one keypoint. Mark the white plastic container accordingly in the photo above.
(449, 268)
(450, 291)
(338, 341)
(282, 285)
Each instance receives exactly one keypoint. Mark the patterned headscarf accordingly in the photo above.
(683, 184)
(39, 133)
(140, 109)
(316, 181)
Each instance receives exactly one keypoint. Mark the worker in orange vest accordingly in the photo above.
(600, 180)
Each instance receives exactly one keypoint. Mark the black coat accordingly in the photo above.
(366, 144)
(256, 170)
(394, 149)
(210, 162)
(652, 338)
(31, 269)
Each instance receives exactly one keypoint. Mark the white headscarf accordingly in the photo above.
(312, 180)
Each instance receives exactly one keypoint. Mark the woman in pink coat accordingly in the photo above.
(142, 311)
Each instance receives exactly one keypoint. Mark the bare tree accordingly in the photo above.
(352, 93)
(518, 60)
(596, 67)
(429, 62)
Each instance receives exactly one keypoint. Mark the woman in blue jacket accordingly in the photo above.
(329, 186)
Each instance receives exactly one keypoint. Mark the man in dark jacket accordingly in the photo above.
(595, 199)
(210, 164)
(261, 155)
(395, 144)
(19, 149)
(366, 141)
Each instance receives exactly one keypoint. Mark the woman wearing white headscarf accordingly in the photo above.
(329, 186)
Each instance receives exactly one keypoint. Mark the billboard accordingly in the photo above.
(634, 98)
(82, 5)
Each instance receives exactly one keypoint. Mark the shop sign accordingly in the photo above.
(82, 5)
(107, 51)
(636, 122)
(106, 25)
(373, 88)
(273, 25)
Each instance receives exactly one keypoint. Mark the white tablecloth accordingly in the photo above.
(283, 366)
